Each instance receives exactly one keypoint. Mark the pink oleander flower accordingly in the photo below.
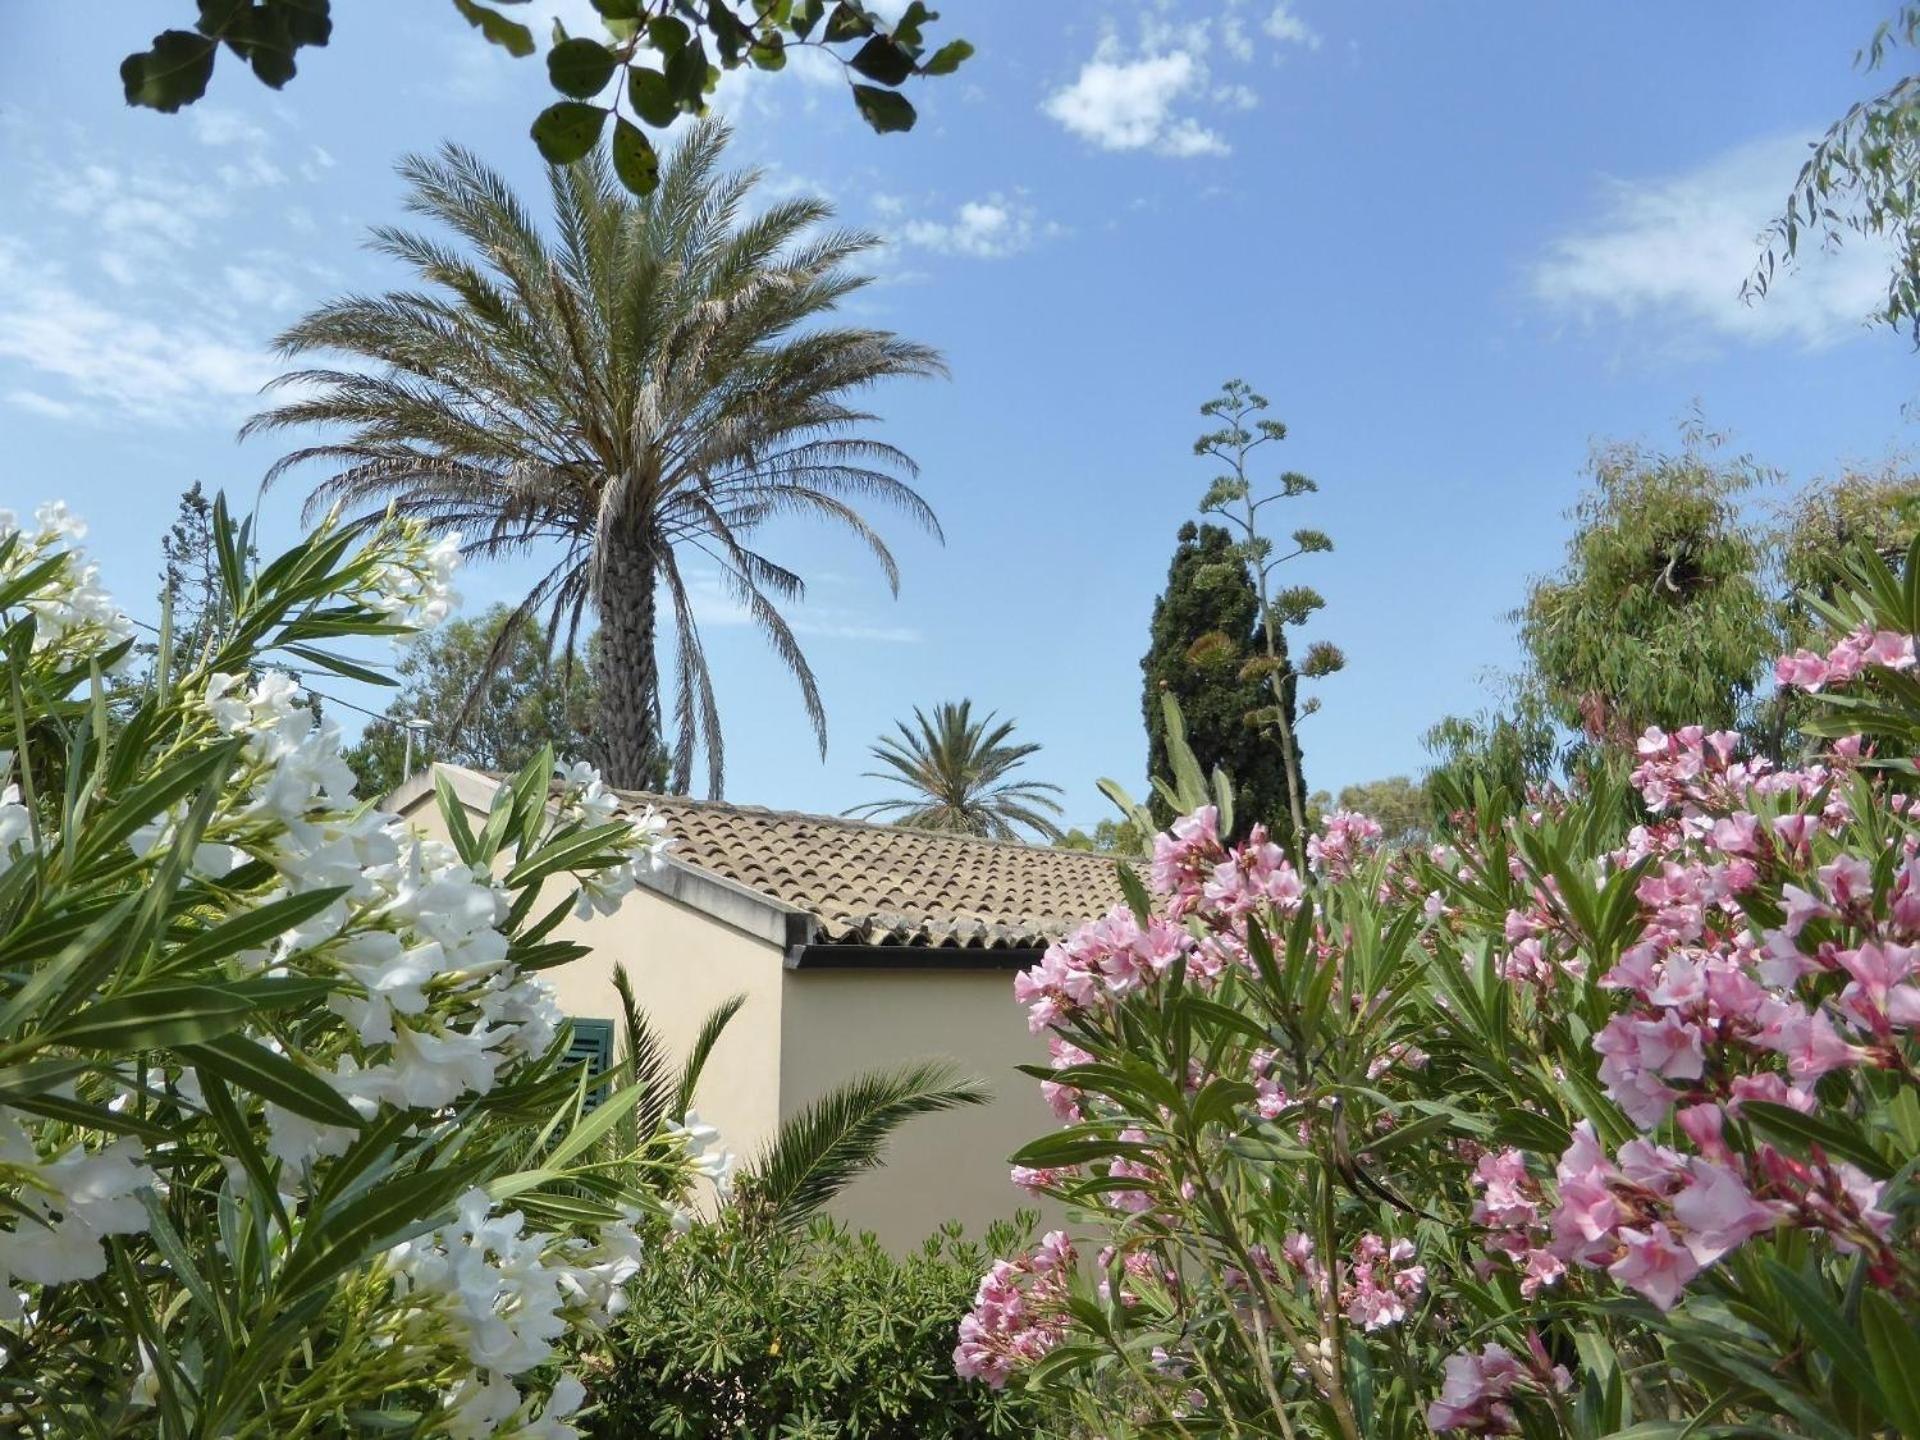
(1655, 1263)
(1019, 1313)
(1880, 996)
(1345, 839)
(1718, 1212)
(1474, 1391)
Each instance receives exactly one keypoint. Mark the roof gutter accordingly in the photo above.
(911, 957)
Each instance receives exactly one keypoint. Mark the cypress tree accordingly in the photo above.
(1204, 630)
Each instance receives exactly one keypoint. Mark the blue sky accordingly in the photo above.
(1456, 244)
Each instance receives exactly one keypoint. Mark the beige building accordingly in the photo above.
(857, 946)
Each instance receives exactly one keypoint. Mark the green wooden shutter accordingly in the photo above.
(592, 1042)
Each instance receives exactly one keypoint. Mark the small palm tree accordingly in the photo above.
(645, 383)
(818, 1151)
(958, 768)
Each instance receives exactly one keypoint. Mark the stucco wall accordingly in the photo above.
(940, 1167)
(683, 963)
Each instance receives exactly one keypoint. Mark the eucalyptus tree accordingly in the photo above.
(959, 775)
(649, 384)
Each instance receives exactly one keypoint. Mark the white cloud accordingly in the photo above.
(1289, 29)
(33, 402)
(1121, 104)
(1674, 252)
(115, 363)
(214, 126)
(988, 229)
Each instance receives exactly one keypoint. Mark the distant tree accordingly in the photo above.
(1398, 804)
(958, 772)
(1512, 749)
(1827, 522)
(525, 702)
(191, 586)
(1205, 629)
(1660, 614)
(1109, 837)
(1243, 430)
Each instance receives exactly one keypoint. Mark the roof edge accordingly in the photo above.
(738, 906)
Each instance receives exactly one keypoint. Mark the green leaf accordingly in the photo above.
(173, 73)
(580, 68)
(1138, 901)
(1802, 1132)
(1895, 1349)
(634, 160)
(1831, 1333)
(768, 51)
(881, 59)
(849, 21)
(583, 847)
(510, 35)
(687, 75)
(885, 110)
(252, 928)
(582, 1137)
(153, 1018)
(258, 1071)
(566, 130)
(394, 1210)
(652, 100)
(339, 665)
(948, 58)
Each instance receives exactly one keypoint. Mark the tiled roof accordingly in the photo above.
(871, 884)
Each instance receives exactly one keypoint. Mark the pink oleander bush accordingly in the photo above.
(1601, 1119)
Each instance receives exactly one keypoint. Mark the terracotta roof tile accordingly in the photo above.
(872, 884)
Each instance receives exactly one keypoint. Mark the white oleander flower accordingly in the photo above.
(83, 1196)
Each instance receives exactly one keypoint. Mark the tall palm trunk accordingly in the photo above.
(629, 704)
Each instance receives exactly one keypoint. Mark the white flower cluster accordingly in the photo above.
(433, 1009)
(415, 586)
(584, 797)
(78, 1197)
(710, 1158)
(16, 826)
(505, 1295)
(70, 606)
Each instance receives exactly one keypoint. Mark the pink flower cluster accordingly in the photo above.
(1345, 841)
(1018, 1313)
(1380, 1279)
(1847, 661)
(1108, 958)
(1509, 1206)
(1654, 1220)
(1476, 1388)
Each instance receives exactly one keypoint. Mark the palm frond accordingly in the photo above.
(644, 1059)
(830, 1143)
(711, 1030)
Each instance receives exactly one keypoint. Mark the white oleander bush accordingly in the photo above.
(288, 1143)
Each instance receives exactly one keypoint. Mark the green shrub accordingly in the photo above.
(737, 1329)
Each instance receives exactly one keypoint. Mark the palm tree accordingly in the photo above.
(957, 769)
(651, 384)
